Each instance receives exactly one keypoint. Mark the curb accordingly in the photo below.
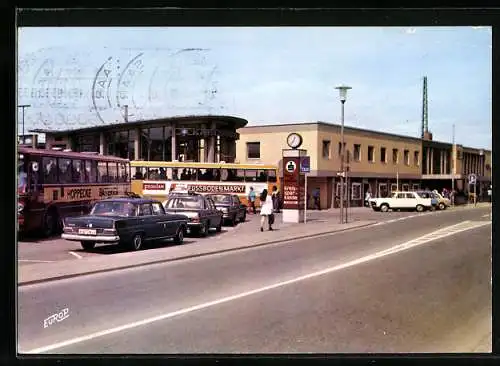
(62, 277)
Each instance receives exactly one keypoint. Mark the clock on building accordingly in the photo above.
(294, 140)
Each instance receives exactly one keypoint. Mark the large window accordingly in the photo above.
(357, 152)
(406, 155)
(395, 156)
(383, 155)
(91, 171)
(49, 170)
(416, 158)
(102, 172)
(112, 172)
(371, 154)
(253, 150)
(79, 171)
(326, 149)
(65, 170)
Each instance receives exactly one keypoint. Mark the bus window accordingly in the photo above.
(22, 175)
(176, 174)
(271, 176)
(234, 175)
(122, 172)
(139, 172)
(250, 175)
(91, 171)
(78, 174)
(49, 170)
(102, 172)
(208, 175)
(65, 168)
(261, 176)
(153, 174)
(112, 172)
(188, 174)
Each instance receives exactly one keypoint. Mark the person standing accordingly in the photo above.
(251, 200)
(368, 196)
(276, 199)
(316, 196)
(490, 192)
(266, 210)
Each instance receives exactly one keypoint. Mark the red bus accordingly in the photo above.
(55, 184)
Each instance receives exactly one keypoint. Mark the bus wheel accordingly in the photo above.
(87, 245)
(50, 223)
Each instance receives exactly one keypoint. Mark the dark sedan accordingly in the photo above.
(230, 205)
(125, 221)
(201, 211)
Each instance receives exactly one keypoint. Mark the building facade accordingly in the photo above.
(376, 162)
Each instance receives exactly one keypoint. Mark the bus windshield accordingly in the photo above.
(22, 175)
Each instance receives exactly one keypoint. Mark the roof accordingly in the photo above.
(235, 122)
(129, 199)
(71, 154)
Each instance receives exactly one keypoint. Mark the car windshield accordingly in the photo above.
(114, 208)
(221, 198)
(22, 176)
(184, 202)
(425, 194)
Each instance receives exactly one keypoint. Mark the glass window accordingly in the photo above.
(102, 172)
(356, 191)
(154, 173)
(383, 155)
(416, 187)
(371, 153)
(221, 198)
(91, 171)
(394, 187)
(139, 172)
(210, 175)
(145, 209)
(326, 149)
(65, 168)
(233, 175)
(176, 174)
(261, 176)
(395, 156)
(187, 174)
(114, 208)
(210, 204)
(250, 175)
(271, 175)
(79, 172)
(22, 175)
(122, 172)
(185, 202)
(406, 187)
(112, 172)
(357, 152)
(407, 157)
(253, 150)
(158, 209)
(236, 200)
(410, 195)
(401, 195)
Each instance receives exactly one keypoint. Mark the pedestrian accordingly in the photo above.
(316, 196)
(276, 199)
(266, 210)
(368, 196)
(490, 192)
(251, 200)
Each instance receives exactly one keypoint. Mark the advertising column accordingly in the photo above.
(293, 186)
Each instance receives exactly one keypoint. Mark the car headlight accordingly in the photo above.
(20, 207)
(224, 209)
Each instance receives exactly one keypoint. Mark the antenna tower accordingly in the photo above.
(425, 116)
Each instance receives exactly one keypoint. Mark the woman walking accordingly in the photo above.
(266, 210)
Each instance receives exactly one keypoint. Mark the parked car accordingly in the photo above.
(201, 211)
(401, 201)
(232, 209)
(126, 221)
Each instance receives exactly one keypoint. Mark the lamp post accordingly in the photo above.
(23, 106)
(453, 169)
(343, 95)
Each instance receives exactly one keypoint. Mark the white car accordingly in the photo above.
(401, 201)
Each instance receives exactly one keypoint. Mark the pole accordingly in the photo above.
(454, 157)
(475, 193)
(305, 201)
(397, 179)
(126, 112)
(346, 193)
(342, 164)
(23, 106)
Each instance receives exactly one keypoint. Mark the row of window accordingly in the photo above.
(206, 175)
(383, 158)
(68, 171)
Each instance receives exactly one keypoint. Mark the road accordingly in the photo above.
(35, 250)
(332, 294)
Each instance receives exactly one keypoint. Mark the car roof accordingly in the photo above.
(130, 200)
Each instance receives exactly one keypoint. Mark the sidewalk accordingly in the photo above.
(246, 235)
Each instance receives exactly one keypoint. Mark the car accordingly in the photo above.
(401, 201)
(232, 209)
(125, 221)
(201, 211)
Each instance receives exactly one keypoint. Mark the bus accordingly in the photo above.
(53, 184)
(156, 179)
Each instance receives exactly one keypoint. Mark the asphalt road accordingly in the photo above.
(33, 250)
(434, 297)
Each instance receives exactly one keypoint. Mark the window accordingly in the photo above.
(340, 147)
(410, 195)
(158, 209)
(250, 175)
(406, 187)
(49, 170)
(65, 168)
(326, 149)
(371, 154)
(210, 204)
(253, 150)
(382, 190)
(356, 191)
(394, 187)
(261, 176)
(139, 172)
(383, 155)
(338, 190)
(79, 175)
(416, 158)
(123, 172)
(357, 152)
(91, 171)
(395, 156)
(236, 200)
(112, 172)
(145, 209)
(415, 187)
(211, 175)
(406, 155)
(102, 172)
(233, 175)
(271, 176)
(401, 195)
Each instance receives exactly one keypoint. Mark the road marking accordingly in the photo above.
(444, 232)
(487, 215)
(76, 255)
(33, 260)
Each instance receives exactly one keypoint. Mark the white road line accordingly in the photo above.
(76, 255)
(454, 229)
(487, 215)
(33, 260)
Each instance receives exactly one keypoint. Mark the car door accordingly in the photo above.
(167, 226)
(411, 200)
(148, 222)
(215, 216)
(237, 206)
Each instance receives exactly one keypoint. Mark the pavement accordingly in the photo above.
(55, 258)
(414, 284)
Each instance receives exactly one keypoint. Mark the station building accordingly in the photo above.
(377, 162)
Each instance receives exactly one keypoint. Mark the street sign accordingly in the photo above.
(291, 166)
(472, 178)
(305, 164)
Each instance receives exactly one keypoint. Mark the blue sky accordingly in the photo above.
(266, 75)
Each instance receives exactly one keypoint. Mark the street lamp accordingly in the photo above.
(343, 96)
(23, 106)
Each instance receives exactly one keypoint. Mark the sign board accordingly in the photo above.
(472, 179)
(292, 192)
(305, 164)
(291, 166)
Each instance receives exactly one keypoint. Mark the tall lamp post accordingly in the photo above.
(343, 95)
(23, 106)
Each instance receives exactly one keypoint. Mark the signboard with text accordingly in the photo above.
(305, 164)
(291, 184)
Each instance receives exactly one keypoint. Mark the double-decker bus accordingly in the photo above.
(55, 184)
(157, 179)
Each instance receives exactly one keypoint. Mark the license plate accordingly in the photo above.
(87, 231)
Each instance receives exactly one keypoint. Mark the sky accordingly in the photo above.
(77, 77)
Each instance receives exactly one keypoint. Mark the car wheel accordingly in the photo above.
(203, 229)
(88, 245)
(419, 208)
(442, 206)
(219, 227)
(384, 207)
(136, 243)
(179, 237)
(244, 218)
